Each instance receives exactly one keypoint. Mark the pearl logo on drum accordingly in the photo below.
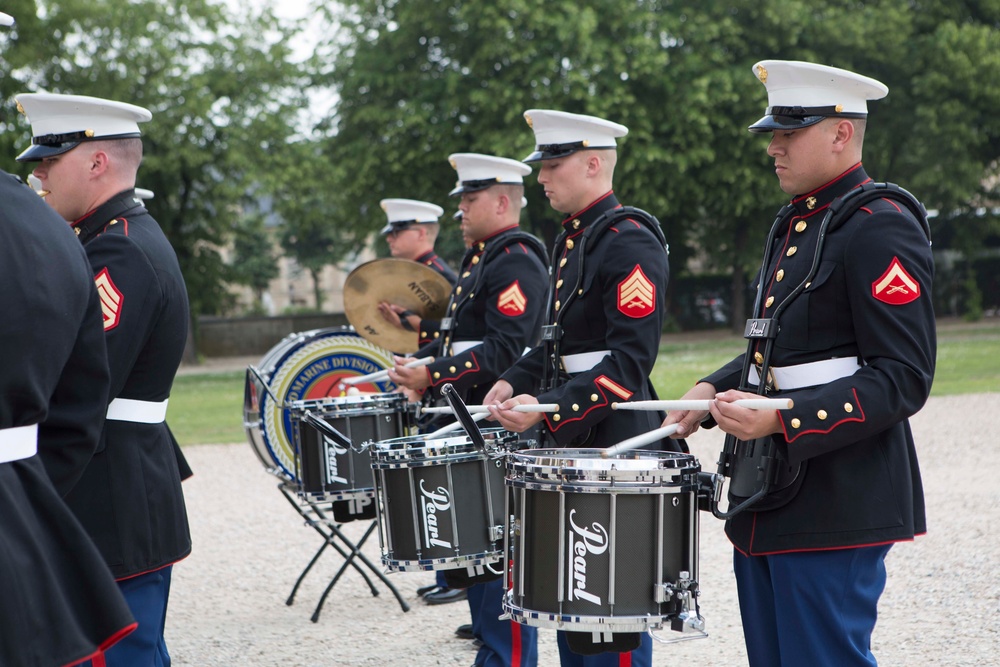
(435, 501)
(332, 452)
(581, 542)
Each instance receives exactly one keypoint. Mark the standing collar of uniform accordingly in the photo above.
(481, 243)
(584, 218)
(95, 221)
(427, 257)
(820, 198)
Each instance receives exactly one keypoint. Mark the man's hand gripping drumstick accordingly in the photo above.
(501, 400)
(742, 422)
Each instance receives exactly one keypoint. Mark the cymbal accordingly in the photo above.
(402, 282)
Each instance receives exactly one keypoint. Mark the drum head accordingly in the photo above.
(305, 366)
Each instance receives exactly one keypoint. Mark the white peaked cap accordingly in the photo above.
(60, 122)
(559, 133)
(143, 193)
(6, 19)
(478, 172)
(800, 94)
(402, 213)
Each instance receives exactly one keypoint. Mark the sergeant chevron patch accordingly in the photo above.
(896, 286)
(111, 299)
(512, 300)
(636, 295)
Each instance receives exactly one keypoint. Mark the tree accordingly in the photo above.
(221, 87)
(254, 263)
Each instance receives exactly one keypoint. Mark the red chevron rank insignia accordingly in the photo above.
(512, 300)
(111, 299)
(896, 286)
(636, 294)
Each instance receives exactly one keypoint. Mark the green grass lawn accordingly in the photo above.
(208, 408)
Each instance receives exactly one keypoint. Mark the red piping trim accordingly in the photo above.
(859, 418)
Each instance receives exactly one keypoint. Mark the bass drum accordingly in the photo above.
(303, 366)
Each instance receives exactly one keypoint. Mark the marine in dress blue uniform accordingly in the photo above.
(494, 314)
(604, 319)
(129, 497)
(59, 604)
(855, 350)
(421, 217)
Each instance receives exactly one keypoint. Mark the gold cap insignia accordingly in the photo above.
(452, 163)
(89, 134)
(761, 74)
(20, 109)
(839, 108)
(586, 143)
(527, 119)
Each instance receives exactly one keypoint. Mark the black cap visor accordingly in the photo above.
(38, 152)
(473, 186)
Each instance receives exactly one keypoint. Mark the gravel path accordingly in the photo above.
(941, 605)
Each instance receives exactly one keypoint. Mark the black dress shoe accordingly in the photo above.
(445, 595)
(424, 590)
(465, 631)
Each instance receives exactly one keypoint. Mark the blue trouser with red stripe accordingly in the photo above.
(505, 643)
(815, 608)
(640, 657)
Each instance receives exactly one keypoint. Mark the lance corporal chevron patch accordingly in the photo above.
(637, 295)
(896, 287)
(111, 299)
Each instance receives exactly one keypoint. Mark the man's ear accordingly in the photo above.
(843, 135)
(99, 163)
(503, 204)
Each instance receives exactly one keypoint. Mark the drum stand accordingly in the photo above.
(316, 518)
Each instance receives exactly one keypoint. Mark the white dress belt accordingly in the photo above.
(578, 363)
(807, 375)
(143, 412)
(18, 442)
(460, 346)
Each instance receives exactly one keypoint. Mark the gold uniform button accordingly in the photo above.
(559, 283)
(467, 274)
(770, 300)
(468, 364)
(792, 251)
(475, 260)
(556, 417)
(800, 226)
(452, 369)
(758, 357)
(580, 291)
(848, 407)
(780, 276)
(821, 414)
(576, 407)
(562, 262)
(437, 334)
(569, 244)
(458, 290)
(454, 306)
(557, 305)
(437, 376)
(423, 334)
(593, 397)
(796, 423)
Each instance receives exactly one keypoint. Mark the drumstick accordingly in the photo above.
(524, 407)
(384, 375)
(639, 440)
(694, 404)
(456, 425)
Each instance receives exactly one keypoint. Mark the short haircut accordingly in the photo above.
(125, 152)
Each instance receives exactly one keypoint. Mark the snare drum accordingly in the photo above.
(441, 501)
(303, 366)
(329, 471)
(602, 545)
